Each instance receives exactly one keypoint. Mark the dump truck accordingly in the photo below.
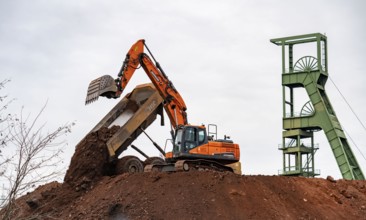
(194, 146)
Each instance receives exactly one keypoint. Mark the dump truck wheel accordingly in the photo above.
(154, 161)
(129, 164)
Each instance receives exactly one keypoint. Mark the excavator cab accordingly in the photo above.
(194, 142)
(194, 147)
(188, 138)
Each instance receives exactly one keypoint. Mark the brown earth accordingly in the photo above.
(90, 160)
(89, 193)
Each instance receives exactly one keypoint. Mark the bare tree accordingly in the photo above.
(5, 124)
(30, 156)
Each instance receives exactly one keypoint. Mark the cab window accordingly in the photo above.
(201, 136)
(178, 141)
(190, 134)
(190, 139)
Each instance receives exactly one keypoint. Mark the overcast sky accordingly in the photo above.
(217, 53)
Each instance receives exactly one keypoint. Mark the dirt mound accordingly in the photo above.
(202, 195)
(90, 160)
(88, 193)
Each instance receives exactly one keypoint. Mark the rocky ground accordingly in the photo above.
(90, 191)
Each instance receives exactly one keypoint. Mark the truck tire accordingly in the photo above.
(129, 164)
(154, 161)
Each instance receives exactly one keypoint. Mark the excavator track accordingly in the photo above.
(188, 165)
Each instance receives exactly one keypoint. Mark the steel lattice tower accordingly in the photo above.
(310, 73)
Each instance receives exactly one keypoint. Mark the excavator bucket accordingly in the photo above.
(102, 86)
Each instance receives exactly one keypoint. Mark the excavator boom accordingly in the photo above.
(112, 88)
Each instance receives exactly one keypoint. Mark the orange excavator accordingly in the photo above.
(193, 146)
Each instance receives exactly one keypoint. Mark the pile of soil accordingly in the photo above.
(89, 193)
(90, 160)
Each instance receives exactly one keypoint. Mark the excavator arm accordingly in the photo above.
(112, 88)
